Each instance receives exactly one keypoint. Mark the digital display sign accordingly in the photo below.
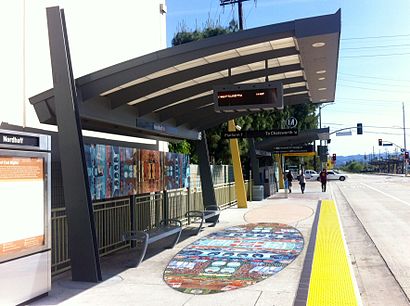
(244, 97)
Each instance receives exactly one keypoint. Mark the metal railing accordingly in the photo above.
(114, 217)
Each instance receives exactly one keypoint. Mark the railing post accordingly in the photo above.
(165, 205)
(133, 223)
(188, 202)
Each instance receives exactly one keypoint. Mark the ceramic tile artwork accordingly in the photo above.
(236, 257)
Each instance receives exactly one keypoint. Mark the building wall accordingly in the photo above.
(101, 33)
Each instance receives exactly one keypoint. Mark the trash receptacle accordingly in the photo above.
(257, 192)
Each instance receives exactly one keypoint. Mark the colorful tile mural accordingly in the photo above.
(176, 170)
(118, 171)
(150, 171)
(111, 171)
(234, 258)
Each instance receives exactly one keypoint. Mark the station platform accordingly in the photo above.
(320, 275)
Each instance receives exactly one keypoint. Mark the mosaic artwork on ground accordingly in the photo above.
(236, 257)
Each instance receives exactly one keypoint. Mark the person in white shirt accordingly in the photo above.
(302, 182)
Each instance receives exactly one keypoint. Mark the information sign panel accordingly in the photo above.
(22, 209)
(263, 133)
(294, 149)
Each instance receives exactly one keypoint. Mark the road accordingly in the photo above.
(375, 213)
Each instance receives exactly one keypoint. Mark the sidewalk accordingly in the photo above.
(145, 286)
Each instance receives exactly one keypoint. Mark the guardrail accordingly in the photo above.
(114, 217)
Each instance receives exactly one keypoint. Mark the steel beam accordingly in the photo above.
(82, 240)
(207, 185)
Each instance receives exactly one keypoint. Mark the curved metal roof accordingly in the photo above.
(168, 93)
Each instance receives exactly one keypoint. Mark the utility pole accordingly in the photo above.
(405, 148)
(240, 11)
(233, 143)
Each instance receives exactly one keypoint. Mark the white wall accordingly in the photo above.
(101, 33)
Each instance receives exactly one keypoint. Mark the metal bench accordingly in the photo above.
(209, 215)
(166, 228)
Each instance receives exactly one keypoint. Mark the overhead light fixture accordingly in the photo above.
(322, 88)
(318, 44)
(323, 100)
(321, 71)
(321, 79)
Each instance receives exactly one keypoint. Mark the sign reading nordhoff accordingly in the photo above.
(20, 140)
(22, 194)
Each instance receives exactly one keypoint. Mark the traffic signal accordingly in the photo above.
(380, 142)
(359, 129)
(406, 155)
(334, 157)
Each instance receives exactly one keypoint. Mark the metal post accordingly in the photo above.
(254, 162)
(240, 15)
(207, 186)
(237, 168)
(133, 221)
(84, 256)
(405, 147)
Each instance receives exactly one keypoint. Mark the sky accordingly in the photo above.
(374, 61)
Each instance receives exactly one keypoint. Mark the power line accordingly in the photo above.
(375, 55)
(375, 89)
(374, 47)
(373, 77)
(376, 37)
(370, 83)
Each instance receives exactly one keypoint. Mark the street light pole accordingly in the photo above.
(405, 148)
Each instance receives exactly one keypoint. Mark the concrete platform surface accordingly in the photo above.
(144, 285)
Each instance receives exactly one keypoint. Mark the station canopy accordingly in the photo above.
(168, 94)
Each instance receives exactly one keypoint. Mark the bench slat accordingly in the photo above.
(165, 229)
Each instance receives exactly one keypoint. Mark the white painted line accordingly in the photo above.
(386, 194)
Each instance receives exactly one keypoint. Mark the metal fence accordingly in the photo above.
(114, 217)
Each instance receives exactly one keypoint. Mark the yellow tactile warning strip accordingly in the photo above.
(331, 280)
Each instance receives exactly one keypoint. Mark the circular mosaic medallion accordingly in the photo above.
(234, 258)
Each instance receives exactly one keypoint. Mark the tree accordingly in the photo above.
(353, 166)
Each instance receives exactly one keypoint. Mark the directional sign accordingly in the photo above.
(291, 122)
(263, 133)
(293, 149)
(346, 133)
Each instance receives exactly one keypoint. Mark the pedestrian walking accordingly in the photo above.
(289, 178)
(302, 182)
(323, 179)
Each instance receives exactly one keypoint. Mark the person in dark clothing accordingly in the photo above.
(323, 179)
(289, 178)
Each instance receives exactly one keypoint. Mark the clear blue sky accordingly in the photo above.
(374, 63)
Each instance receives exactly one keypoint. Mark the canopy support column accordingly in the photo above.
(84, 257)
(207, 185)
(237, 168)
(254, 162)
